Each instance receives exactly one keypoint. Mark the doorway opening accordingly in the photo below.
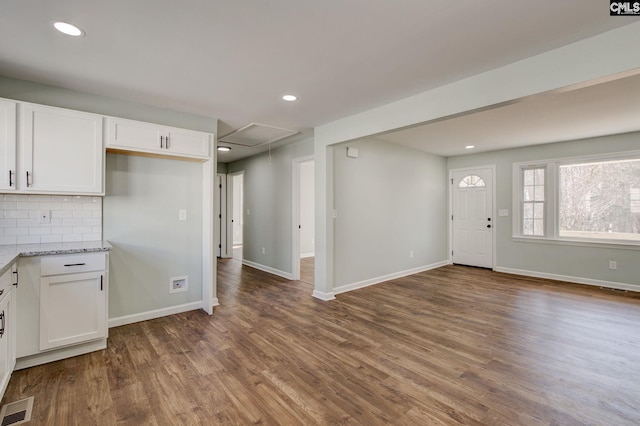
(303, 247)
(236, 197)
(221, 217)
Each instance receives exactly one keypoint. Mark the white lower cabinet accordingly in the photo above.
(7, 330)
(62, 307)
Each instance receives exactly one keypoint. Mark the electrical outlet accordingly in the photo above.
(264, 251)
(178, 284)
(45, 216)
(182, 215)
(411, 254)
(613, 264)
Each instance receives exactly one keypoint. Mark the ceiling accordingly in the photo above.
(233, 60)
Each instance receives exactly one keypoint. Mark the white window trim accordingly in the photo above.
(552, 195)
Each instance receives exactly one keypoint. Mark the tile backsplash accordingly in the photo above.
(71, 218)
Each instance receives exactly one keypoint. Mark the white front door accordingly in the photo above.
(472, 221)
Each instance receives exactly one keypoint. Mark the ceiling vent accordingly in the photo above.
(256, 134)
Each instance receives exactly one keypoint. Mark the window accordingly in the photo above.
(471, 181)
(533, 202)
(594, 199)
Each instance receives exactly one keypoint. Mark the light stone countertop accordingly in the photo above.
(10, 254)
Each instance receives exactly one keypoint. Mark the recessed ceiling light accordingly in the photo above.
(469, 147)
(290, 98)
(224, 148)
(68, 29)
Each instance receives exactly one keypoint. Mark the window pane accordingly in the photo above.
(538, 211)
(539, 176)
(597, 200)
(528, 193)
(528, 177)
(538, 227)
(527, 227)
(527, 212)
(539, 193)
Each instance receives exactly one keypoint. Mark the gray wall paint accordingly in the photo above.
(222, 168)
(150, 245)
(267, 195)
(307, 208)
(573, 261)
(390, 200)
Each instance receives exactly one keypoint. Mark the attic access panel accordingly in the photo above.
(255, 134)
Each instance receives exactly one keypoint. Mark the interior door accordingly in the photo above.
(472, 217)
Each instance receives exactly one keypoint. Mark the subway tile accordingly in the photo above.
(91, 221)
(8, 223)
(50, 206)
(55, 222)
(81, 213)
(51, 238)
(60, 214)
(15, 197)
(18, 230)
(96, 229)
(31, 239)
(34, 214)
(92, 207)
(69, 238)
(61, 229)
(27, 222)
(16, 214)
(39, 197)
(59, 198)
(81, 229)
(71, 206)
(28, 205)
(96, 213)
(6, 241)
(81, 199)
(8, 205)
(91, 237)
(72, 221)
(39, 230)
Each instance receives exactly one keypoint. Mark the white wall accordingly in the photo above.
(390, 201)
(307, 213)
(236, 208)
(267, 197)
(570, 261)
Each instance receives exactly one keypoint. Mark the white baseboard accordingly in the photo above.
(378, 280)
(305, 255)
(323, 296)
(570, 279)
(215, 302)
(58, 354)
(268, 269)
(157, 313)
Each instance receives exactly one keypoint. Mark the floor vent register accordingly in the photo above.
(16, 413)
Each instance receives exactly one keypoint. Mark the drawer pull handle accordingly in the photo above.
(75, 264)
(2, 318)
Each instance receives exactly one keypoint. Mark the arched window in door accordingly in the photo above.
(471, 181)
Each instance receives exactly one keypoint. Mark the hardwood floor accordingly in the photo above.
(307, 270)
(454, 345)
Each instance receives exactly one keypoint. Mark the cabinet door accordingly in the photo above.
(188, 142)
(6, 347)
(72, 309)
(61, 151)
(134, 135)
(7, 145)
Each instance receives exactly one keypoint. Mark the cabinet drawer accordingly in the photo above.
(71, 264)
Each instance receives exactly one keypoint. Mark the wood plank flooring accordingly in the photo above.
(454, 345)
(307, 270)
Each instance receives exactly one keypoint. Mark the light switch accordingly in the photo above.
(182, 215)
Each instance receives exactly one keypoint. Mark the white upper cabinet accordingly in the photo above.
(137, 136)
(7, 145)
(61, 151)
